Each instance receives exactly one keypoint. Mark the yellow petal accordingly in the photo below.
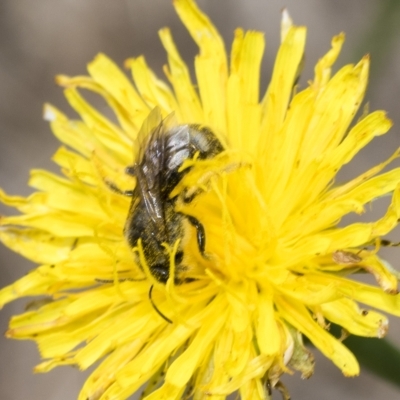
(356, 321)
(106, 73)
(323, 67)
(152, 90)
(179, 76)
(299, 317)
(280, 88)
(210, 64)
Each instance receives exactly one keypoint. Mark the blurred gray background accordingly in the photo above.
(39, 39)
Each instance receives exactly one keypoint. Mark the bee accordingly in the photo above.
(161, 150)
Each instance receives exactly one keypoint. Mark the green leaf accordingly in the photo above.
(380, 36)
(378, 355)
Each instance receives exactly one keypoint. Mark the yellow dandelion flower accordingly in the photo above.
(254, 256)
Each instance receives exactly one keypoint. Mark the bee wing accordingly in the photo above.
(152, 129)
(150, 164)
(149, 126)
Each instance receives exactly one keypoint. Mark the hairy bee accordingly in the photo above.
(161, 151)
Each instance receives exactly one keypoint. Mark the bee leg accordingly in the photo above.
(116, 189)
(268, 386)
(201, 234)
(188, 196)
(74, 244)
(282, 388)
(98, 280)
(388, 243)
(155, 307)
(130, 170)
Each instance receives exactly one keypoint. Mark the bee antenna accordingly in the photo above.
(388, 243)
(155, 307)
